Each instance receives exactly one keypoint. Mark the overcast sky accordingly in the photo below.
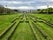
(27, 4)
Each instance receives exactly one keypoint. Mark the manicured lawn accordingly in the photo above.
(23, 32)
(5, 21)
(26, 27)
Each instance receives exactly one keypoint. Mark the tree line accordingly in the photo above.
(4, 10)
(44, 11)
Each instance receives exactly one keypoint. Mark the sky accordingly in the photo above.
(26, 4)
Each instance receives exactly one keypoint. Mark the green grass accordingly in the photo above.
(5, 21)
(48, 17)
(24, 31)
(47, 29)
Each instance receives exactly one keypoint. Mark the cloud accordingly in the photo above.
(41, 7)
(12, 2)
(16, 2)
(22, 7)
(26, 4)
(45, 0)
(51, 6)
(25, 7)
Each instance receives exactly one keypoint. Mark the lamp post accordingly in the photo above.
(6, 9)
(47, 8)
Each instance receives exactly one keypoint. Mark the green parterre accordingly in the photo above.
(26, 27)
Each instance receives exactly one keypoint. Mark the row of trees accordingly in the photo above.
(46, 11)
(6, 10)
